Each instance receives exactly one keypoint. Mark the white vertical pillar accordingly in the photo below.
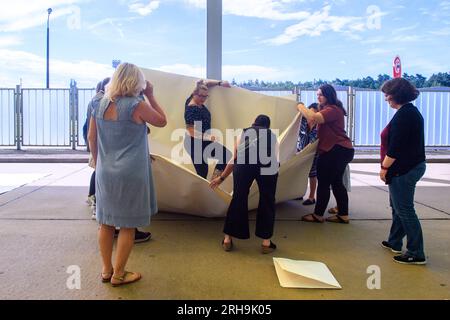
(214, 39)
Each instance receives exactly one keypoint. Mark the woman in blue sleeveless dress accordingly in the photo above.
(118, 141)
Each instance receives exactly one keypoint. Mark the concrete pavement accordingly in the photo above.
(45, 227)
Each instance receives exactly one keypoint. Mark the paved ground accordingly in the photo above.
(45, 227)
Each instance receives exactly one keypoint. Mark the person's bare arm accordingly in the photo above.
(92, 138)
(213, 83)
(228, 169)
(317, 117)
(151, 112)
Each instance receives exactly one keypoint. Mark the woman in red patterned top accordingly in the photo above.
(335, 153)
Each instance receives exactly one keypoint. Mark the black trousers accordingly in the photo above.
(92, 185)
(330, 171)
(196, 149)
(236, 222)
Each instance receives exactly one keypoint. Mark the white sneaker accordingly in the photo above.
(94, 216)
(91, 200)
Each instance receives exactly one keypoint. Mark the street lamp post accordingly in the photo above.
(48, 45)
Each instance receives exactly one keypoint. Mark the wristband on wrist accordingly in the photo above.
(222, 178)
(384, 168)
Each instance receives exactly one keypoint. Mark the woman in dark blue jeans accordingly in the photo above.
(402, 166)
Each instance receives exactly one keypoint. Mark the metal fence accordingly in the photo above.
(7, 117)
(43, 117)
(55, 117)
(84, 97)
(46, 117)
(369, 113)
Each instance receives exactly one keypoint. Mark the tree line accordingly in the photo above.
(436, 80)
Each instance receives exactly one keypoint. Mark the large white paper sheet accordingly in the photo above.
(179, 188)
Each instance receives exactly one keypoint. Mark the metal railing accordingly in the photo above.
(55, 117)
(369, 113)
(7, 117)
(45, 117)
(84, 97)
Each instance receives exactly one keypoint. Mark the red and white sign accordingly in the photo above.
(397, 67)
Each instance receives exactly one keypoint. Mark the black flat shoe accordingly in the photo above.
(309, 202)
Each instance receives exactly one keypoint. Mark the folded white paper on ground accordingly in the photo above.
(304, 274)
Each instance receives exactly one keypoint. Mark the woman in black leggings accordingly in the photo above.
(335, 153)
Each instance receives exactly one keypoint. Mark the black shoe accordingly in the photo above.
(405, 259)
(268, 249)
(141, 236)
(309, 202)
(386, 245)
(298, 199)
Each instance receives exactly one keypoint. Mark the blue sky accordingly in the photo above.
(273, 40)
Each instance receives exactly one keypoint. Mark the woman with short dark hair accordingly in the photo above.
(255, 158)
(402, 166)
(335, 153)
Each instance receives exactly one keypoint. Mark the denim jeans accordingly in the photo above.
(404, 219)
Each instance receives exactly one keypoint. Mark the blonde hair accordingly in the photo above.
(200, 85)
(127, 81)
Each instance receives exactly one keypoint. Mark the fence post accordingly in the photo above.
(297, 93)
(351, 113)
(73, 105)
(18, 116)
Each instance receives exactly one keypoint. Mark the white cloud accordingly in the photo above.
(442, 32)
(16, 65)
(237, 72)
(266, 9)
(9, 41)
(143, 9)
(426, 66)
(115, 24)
(24, 14)
(402, 30)
(445, 5)
(317, 23)
(393, 39)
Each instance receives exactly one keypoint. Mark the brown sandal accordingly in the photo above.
(106, 277)
(268, 249)
(334, 210)
(126, 278)
(312, 218)
(337, 219)
(227, 246)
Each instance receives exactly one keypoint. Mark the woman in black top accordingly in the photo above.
(403, 165)
(255, 158)
(198, 124)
